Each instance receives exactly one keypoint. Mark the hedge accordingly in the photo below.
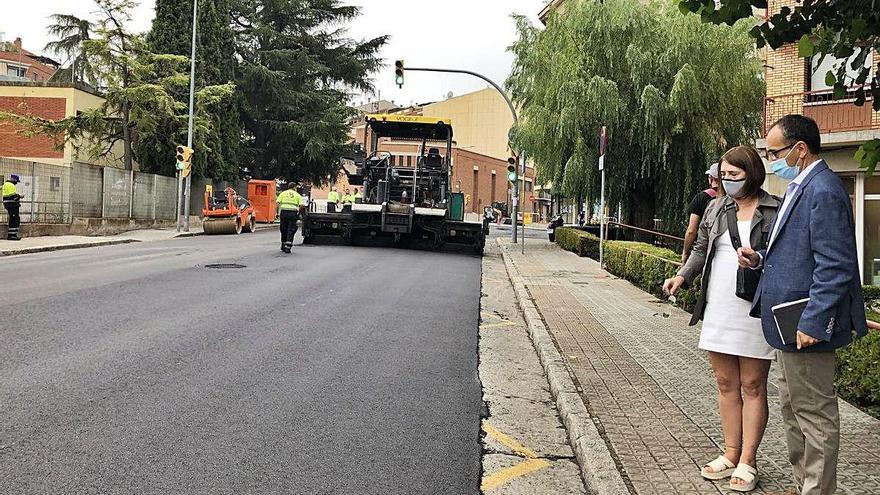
(647, 266)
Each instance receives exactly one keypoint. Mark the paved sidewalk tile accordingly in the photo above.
(651, 390)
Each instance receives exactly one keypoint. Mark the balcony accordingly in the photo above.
(831, 115)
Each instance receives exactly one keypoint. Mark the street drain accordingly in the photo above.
(222, 266)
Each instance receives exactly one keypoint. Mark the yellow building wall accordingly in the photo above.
(76, 101)
(480, 121)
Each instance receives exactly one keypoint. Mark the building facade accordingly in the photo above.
(52, 101)
(18, 64)
(797, 85)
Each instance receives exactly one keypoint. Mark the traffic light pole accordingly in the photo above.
(189, 134)
(515, 189)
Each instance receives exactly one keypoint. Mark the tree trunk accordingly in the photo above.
(641, 212)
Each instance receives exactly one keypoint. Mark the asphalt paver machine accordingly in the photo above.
(409, 203)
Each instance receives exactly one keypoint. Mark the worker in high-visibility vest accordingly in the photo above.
(12, 203)
(356, 196)
(332, 200)
(289, 204)
(347, 198)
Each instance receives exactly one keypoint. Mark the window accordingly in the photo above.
(818, 71)
(528, 186)
(15, 71)
(54, 183)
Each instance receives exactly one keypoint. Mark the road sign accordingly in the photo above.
(532, 199)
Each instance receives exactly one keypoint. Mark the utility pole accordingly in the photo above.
(515, 189)
(189, 134)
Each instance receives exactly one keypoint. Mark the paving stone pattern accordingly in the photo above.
(651, 390)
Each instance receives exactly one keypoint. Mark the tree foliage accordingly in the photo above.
(215, 65)
(847, 30)
(296, 66)
(673, 92)
(70, 31)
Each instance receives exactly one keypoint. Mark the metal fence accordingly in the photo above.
(57, 194)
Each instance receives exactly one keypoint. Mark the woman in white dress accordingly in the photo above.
(739, 354)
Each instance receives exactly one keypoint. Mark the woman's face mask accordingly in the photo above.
(733, 188)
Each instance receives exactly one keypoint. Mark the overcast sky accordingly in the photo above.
(465, 34)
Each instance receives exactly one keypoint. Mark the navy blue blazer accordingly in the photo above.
(814, 255)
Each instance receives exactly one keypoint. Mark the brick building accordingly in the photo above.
(18, 64)
(53, 101)
(797, 85)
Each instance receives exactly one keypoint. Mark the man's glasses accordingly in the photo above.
(774, 154)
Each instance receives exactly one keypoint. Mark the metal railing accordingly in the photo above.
(832, 115)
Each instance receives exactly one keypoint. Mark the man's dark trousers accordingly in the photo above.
(14, 219)
(288, 228)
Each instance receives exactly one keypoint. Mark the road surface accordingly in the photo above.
(138, 369)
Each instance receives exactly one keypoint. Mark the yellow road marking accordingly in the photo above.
(501, 477)
(509, 442)
(493, 325)
(527, 466)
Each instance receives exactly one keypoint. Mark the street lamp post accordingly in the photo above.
(189, 134)
(522, 155)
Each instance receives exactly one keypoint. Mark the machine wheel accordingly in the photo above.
(218, 226)
(250, 225)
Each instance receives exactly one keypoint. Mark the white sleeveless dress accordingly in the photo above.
(727, 326)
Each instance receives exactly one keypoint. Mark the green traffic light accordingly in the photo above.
(399, 80)
(511, 176)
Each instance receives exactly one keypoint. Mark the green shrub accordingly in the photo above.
(577, 241)
(871, 293)
(858, 373)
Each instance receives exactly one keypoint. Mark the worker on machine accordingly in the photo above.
(332, 200)
(289, 204)
(12, 203)
(347, 198)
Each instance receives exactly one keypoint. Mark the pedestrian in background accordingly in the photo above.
(738, 352)
(697, 209)
(347, 198)
(811, 255)
(289, 204)
(12, 204)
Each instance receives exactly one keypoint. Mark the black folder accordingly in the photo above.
(788, 317)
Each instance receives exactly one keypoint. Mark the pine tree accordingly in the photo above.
(296, 66)
(215, 65)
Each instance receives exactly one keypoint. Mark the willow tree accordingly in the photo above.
(672, 91)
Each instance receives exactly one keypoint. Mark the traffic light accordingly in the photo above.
(184, 160)
(398, 73)
(511, 169)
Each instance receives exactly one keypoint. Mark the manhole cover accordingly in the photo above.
(221, 266)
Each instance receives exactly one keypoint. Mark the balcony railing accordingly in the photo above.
(831, 115)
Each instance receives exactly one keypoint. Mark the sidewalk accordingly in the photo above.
(40, 244)
(650, 390)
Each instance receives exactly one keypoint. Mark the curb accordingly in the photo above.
(64, 247)
(597, 467)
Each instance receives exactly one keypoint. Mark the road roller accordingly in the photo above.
(227, 213)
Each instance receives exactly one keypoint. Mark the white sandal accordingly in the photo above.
(746, 473)
(721, 468)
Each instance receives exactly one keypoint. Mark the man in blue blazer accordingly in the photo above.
(811, 254)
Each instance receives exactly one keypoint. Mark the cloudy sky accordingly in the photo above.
(466, 34)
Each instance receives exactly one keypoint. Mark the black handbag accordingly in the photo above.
(746, 278)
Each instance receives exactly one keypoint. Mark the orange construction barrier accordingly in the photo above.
(262, 194)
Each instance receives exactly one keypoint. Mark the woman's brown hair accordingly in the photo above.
(748, 160)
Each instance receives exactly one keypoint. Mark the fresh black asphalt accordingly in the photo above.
(137, 369)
